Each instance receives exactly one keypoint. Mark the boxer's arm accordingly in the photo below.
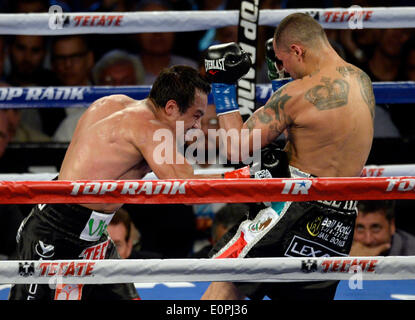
(225, 64)
(159, 149)
(267, 122)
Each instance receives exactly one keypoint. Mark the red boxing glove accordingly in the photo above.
(243, 172)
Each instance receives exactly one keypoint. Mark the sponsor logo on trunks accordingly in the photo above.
(300, 247)
(296, 186)
(96, 226)
(330, 230)
(129, 187)
(41, 94)
(96, 252)
(44, 250)
(313, 227)
(26, 269)
(403, 185)
(69, 292)
(213, 65)
(259, 226)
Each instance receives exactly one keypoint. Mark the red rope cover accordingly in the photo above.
(206, 190)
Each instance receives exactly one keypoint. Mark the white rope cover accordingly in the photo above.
(179, 21)
(201, 270)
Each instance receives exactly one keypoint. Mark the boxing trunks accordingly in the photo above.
(67, 232)
(291, 229)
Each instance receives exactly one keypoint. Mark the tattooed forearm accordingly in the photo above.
(277, 103)
(250, 123)
(329, 95)
(264, 117)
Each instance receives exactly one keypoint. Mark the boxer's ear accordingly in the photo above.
(172, 108)
(297, 50)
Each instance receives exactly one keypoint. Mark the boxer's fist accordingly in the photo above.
(276, 71)
(226, 63)
(273, 163)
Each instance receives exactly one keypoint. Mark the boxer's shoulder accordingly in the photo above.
(114, 99)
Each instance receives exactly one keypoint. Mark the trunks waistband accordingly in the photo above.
(345, 205)
(78, 221)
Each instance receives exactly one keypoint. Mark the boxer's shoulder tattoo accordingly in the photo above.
(277, 103)
(366, 89)
(329, 95)
(345, 70)
(365, 85)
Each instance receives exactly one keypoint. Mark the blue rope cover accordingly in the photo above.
(72, 97)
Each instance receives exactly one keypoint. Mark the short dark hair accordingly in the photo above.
(298, 27)
(178, 83)
(122, 216)
(370, 206)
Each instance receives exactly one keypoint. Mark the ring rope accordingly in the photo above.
(200, 270)
(60, 23)
(200, 191)
(249, 269)
(392, 170)
(83, 96)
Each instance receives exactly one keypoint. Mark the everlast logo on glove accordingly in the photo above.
(226, 63)
(212, 66)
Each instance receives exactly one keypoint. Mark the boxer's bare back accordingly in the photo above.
(114, 140)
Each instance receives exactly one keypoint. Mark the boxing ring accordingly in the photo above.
(166, 278)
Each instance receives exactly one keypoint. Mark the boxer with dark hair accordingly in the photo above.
(114, 140)
(327, 114)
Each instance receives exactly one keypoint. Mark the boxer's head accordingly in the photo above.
(297, 36)
(182, 93)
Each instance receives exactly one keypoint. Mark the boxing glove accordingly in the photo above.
(225, 64)
(276, 72)
(244, 172)
(273, 163)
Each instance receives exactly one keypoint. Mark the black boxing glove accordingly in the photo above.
(273, 163)
(276, 72)
(225, 64)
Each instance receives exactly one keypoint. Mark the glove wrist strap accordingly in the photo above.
(225, 99)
